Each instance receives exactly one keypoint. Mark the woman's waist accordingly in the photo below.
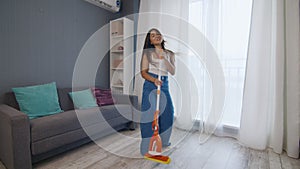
(162, 78)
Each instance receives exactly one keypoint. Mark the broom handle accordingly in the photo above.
(158, 95)
(158, 87)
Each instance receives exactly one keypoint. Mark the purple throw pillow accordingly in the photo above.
(103, 96)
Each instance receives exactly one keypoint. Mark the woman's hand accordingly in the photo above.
(146, 76)
(157, 82)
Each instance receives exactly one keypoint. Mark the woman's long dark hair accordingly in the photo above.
(148, 46)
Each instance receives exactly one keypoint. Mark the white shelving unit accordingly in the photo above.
(121, 55)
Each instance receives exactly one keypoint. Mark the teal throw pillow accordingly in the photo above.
(37, 101)
(83, 99)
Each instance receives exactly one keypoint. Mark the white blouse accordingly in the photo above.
(154, 64)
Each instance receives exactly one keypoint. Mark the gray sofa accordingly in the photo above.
(24, 142)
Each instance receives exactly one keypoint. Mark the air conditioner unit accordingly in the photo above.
(111, 5)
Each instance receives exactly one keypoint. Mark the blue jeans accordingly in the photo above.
(166, 116)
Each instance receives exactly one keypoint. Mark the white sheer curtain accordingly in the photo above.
(225, 23)
(270, 111)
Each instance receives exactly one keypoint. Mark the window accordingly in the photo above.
(226, 24)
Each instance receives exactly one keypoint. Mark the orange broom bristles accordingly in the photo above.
(158, 158)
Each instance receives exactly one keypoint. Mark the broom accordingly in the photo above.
(155, 145)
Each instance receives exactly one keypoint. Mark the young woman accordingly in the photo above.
(154, 48)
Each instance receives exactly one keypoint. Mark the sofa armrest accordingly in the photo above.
(14, 138)
(133, 101)
(126, 99)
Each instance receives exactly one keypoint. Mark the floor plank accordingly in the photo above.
(258, 160)
(289, 163)
(238, 158)
(274, 160)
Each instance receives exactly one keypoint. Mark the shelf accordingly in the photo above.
(117, 86)
(117, 68)
(117, 36)
(117, 51)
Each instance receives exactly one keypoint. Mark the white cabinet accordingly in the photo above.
(121, 55)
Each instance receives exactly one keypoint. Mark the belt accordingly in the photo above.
(163, 78)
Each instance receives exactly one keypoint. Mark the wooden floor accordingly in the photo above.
(122, 151)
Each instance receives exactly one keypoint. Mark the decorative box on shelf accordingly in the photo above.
(117, 28)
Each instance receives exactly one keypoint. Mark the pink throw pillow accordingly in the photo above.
(103, 96)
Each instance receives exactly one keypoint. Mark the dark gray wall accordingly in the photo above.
(41, 39)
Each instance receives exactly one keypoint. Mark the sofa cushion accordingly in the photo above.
(103, 96)
(51, 143)
(83, 99)
(39, 100)
(49, 126)
(61, 123)
(68, 121)
(64, 99)
(113, 111)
